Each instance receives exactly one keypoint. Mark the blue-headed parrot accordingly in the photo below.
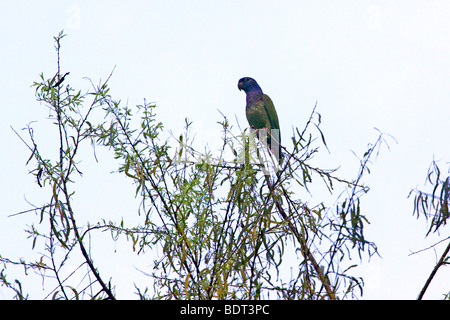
(261, 114)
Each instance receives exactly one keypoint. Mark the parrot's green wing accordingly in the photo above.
(271, 112)
(274, 124)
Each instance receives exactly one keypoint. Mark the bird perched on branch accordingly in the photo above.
(261, 114)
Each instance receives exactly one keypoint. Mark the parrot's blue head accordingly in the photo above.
(249, 85)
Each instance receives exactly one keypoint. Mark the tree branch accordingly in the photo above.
(433, 273)
(307, 254)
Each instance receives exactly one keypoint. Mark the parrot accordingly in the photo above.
(261, 114)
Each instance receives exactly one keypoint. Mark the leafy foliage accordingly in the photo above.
(434, 206)
(223, 227)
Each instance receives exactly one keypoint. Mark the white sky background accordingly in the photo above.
(383, 64)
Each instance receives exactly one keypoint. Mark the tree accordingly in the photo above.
(433, 206)
(223, 226)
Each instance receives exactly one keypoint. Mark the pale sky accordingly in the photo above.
(367, 64)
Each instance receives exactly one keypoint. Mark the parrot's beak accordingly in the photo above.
(240, 85)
